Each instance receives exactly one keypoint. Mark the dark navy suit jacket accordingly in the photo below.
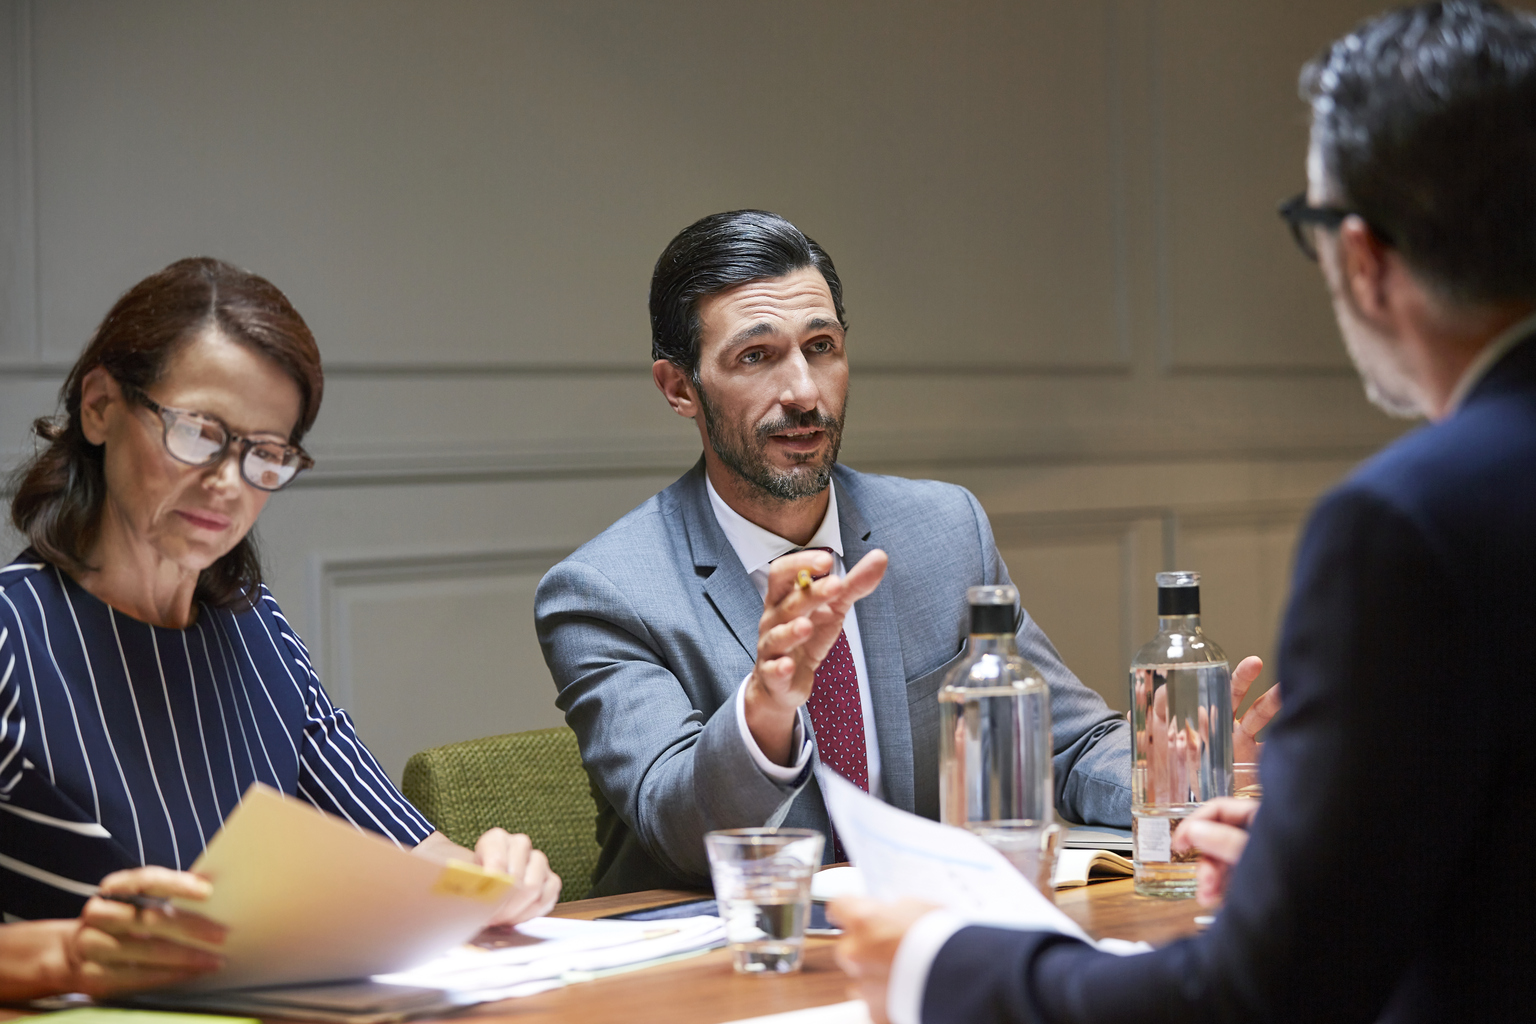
(1387, 876)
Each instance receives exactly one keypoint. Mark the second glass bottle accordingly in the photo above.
(1181, 735)
(995, 773)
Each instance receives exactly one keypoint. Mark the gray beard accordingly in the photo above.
(747, 457)
(1394, 405)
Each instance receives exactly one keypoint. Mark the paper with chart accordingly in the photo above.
(900, 854)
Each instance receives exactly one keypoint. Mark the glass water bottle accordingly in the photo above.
(1181, 734)
(995, 742)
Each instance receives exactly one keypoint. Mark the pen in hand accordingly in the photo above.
(141, 902)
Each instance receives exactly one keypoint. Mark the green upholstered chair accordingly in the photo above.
(529, 782)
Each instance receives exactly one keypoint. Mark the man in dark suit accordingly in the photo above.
(1384, 875)
(701, 680)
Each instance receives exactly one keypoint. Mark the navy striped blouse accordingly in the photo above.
(124, 744)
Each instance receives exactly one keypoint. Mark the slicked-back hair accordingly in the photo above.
(719, 252)
(60, 491)
(1425, 119)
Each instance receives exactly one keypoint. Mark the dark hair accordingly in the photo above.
(718, 252)
(1425, 119)
(60, 490)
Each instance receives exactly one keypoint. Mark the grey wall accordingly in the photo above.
(1054, 221)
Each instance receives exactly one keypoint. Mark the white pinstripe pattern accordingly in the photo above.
(329, 767)
(26, 651)
(234, 709)
(149, 755)
(380, 788)
(245, 691)
(47, 877)
(170, 717)
(197, 715)
(83, 828)
(9, 714)
(85, 653)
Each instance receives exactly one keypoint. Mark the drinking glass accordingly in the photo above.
(1245, 781)
(1030, 846)
(762, 882)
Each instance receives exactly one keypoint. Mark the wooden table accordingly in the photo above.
(704, 989)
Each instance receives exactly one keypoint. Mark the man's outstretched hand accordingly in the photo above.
(1245, 744)
(797, 630)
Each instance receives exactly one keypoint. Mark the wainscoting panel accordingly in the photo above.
(1237, 292)
(1076, 576)
(430, 649)
(1244, 557)
(18, 226)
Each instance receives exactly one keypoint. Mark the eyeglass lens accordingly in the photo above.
(266, 466)
(198, 442)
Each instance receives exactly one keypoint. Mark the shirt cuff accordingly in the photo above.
(914, 958)
(785, 775)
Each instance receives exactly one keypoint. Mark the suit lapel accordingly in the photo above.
(880, 632)
(726, 584)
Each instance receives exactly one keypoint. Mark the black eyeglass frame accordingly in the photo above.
(168, 415)
(1298, 215)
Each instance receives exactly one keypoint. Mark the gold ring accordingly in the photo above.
(803, 579)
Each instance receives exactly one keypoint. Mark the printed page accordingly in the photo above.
(901, 854)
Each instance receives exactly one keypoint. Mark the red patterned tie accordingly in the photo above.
(837, 716)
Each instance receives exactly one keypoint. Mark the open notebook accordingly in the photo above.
(1079, 867)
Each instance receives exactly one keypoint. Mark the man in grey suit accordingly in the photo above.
(706, 646)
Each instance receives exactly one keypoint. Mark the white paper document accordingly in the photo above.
(549, 951)
(853, 1012)
(900, 855)
(538, 955)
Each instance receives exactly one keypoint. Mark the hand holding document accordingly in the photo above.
(538, 955)
(307, 897)
(902, 855)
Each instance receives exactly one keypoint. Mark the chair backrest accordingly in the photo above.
(529, 782)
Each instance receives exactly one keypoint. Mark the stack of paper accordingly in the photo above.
(552, 951)
(541, 954)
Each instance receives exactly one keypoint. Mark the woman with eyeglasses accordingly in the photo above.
(147, 675)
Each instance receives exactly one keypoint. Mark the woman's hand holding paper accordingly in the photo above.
(510, 854)
(537, 886)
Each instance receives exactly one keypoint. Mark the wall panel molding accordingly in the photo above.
(1245, 570)
(865, 368)
(331, 577)
(19, 329)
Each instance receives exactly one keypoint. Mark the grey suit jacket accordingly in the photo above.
(650, 628)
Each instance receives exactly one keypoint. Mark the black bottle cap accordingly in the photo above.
(992, 609)
(991, 618)
(1178, 593)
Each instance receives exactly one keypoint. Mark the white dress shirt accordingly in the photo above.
(756, 547)
(1495, 350)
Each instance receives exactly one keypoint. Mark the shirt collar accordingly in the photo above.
(756, 547)
(1495, 350)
